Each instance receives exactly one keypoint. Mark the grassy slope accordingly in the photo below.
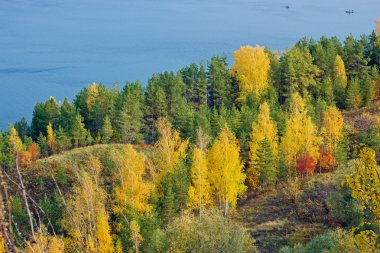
(274, 221)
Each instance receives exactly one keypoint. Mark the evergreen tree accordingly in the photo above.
(353, 97)
(266, 164)
(63, 141)
(67, 115)
(219, 82)
(78, 132)
(107, 131)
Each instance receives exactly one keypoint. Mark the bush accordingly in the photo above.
(211, 233)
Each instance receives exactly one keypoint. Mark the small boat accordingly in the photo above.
(350, 11)
(287, 6)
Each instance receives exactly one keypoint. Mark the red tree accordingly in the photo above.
(33, 150)
(306, 164)
(327, 160)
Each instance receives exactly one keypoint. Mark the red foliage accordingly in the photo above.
(143, 144)
(306, 164)
(33, 150)
(327, 160)
(24, 158)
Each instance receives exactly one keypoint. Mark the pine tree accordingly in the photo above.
(107, 130)
(219, 82)
(263, 129)
(266, 164)
(353, 99)
(63, 141)
(78, 132)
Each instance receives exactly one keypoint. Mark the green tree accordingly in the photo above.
(107, 130)
(78, 132)
(266, 164)
(353, 98)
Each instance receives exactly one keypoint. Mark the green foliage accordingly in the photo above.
(212, 233)
(266, 164)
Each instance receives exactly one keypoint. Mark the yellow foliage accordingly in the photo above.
(15, 143)
(365, 183)
(93, 92)
(132, 190)
(170, 147)
(332, 126)
(251, 69)
(225, 170)
(301, 134)
(340, 69)
(2, 245)
(200, 190)
(136, 238)
(80, 221)
(263, 128)
(51, 141)
(378, 27)
(45, 243)
(103, 233)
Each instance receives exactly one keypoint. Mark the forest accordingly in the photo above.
(276, 152)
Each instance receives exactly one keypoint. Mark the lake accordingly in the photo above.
(56, 47)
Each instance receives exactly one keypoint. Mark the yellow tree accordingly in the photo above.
(136, 238)
(45, 243)
(132, 191)
(332, 127)
(103, 233)
(170, 147)
(81, 219)
(340, 70)
(93, 92)
(263, 128)
(251, 69)
(300, 133)
(51, 140)
(225, 170)
(365, 187)
(200, 190)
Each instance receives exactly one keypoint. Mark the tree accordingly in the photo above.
(200, 195)
(78, 132)
(251, 69)
(265, 164)
(300, 134)
(132, 192)
(170, 148)
(107, 130)
(306, 164)
(84, 212)
(340, 70)
(219, 82)
(136, 238)
(332, 128)
(63, 141)
(353, 99)
(51, 139)
(130, 117)
(365, 182)
(327, 160)
(103, 233)
(299, 74)
(225, 170)
(378, 27)
(263, 129)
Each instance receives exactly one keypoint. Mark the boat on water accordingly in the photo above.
(287, 6)
(350, 11)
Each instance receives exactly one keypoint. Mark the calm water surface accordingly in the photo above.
(56, 47)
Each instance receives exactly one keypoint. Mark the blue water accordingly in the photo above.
(56, 47)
